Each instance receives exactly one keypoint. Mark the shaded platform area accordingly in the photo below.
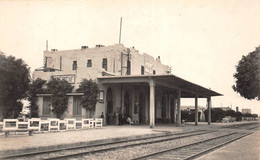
(146, 98)
(16, 144)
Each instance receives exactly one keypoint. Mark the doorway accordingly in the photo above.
(109, 116)
(126, 105)
(142, 118)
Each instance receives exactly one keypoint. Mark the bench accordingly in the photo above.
(51, 124)
(88, 123)
(13, 125)
(98, 122)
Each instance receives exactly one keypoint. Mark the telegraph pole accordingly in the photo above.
(47, 45)
(120, 30)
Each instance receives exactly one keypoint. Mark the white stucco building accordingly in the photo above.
(245, 111)
(136, 84)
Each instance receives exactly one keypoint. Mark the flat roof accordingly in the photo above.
(169, 81)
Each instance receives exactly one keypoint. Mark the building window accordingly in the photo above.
(128, 68)
(101, 97)
(104, 63)
(74, 65)
(142, 70)
(46, 108)
(89, 64)
(154, 71)
(77, 108)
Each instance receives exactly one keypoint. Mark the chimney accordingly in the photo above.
(84, 47)
(158, 59)
(99, 45)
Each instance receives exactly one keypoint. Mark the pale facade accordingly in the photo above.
(245, 111)
(134, 84)
(90, 63)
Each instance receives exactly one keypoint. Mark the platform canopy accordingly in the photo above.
(170, 83)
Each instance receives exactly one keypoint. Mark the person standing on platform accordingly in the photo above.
(102, 116)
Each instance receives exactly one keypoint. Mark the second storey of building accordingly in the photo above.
(90, 63)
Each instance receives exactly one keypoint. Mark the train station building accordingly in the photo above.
(137, 85)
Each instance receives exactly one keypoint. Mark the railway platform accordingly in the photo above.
(246, 148)
(22, 143)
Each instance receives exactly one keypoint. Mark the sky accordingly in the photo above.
(202, 40)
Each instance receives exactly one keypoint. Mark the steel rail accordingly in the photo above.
(215, 147)
(92, 145)
(180, 147)
(124, 146)
(110, 143)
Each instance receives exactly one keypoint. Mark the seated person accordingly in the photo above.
(129, 121)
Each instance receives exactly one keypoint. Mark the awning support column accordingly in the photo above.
(174, 110)
(179, 108)
(196, 110)
(169, 107)
(152, 103)
(209, 110)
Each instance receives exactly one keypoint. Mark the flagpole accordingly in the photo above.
(120, 30)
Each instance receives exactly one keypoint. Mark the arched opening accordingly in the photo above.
(173, 111)
(109, 105)
(126, 105)
(163, 108)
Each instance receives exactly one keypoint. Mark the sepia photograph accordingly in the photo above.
(132, 79)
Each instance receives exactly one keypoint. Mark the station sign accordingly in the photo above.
(148, 64)
(69, 77)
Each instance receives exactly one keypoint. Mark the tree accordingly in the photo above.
(217, 114)
(255, 115)
(189, 116)
(231, 113)
(35, 88)
(90, 90)
(59, 100)
(238, 116)
(14, 84)
(247, 115)
(248, 76)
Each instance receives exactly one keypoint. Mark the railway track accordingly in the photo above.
(197, 149)
(128, 151)
(193, 150)
(186, 145)
(59, 153)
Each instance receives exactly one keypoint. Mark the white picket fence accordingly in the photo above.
(51, 124)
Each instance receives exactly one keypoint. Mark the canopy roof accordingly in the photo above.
(170, 83)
